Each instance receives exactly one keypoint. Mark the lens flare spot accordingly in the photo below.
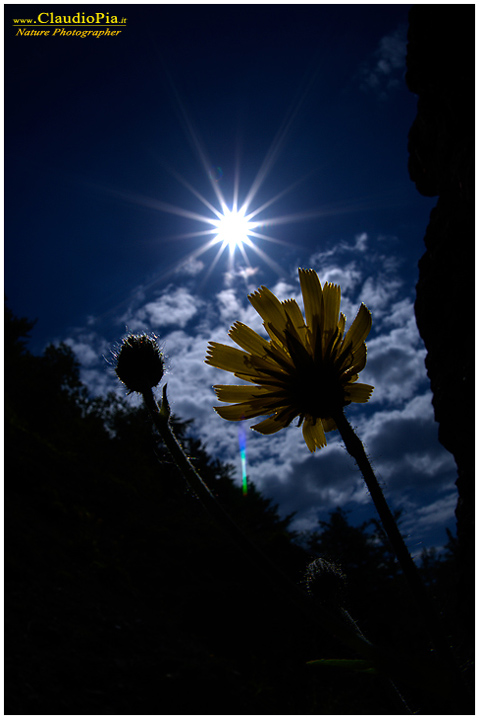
(242, 441)
(216, 174)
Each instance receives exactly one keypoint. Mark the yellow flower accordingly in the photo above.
(308, 368)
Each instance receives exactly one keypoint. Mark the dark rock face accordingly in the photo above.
(440, 70)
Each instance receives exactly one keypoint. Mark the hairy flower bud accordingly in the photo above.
(326, 581)
(139, 363)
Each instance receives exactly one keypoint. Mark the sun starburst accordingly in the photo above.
(228, 223)
(233, 228)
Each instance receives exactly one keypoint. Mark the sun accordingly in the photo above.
(233, 228)
(241, 224)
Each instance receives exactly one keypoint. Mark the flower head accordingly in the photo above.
(139, 363)
(308, 368)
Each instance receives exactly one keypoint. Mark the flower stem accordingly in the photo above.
(356, 449)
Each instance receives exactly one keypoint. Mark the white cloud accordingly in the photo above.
(86, 352)
(245, 273)
(341, 249)
(392, 50)
(438, 512)
(175, 306)
(229, 305)
(419, 408)
(402, 313)
(361, 242)
(378, 295)
(403, 444)
(384, 70)
(348, 276)
(285, 290)
(192, 267)
(396, 359)
(103, 380)
(419, 519)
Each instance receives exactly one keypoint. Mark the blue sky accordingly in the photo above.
(116, 148)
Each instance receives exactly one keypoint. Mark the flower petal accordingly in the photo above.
(359, 329)
(279, 355)
(358, 392)
(313, 433)
(227, 358)
(270, 309)
(359, 359)
(247, 367)
(258, 377)
(269, 426)
(300, 355)
(331, 310)
(248, 339)
(328, 424)
(296, 324)
(238, 393)
(241, 411)
(312, 297)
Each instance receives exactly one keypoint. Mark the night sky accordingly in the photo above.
(119, 150)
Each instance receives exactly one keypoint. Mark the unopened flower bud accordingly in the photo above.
(139, 363)
(325, 581)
